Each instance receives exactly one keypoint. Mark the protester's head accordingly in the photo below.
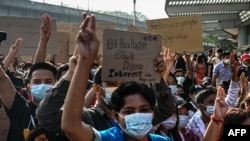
(61, 70)
(108, 87)
(42, 77)
(194, 57)
(193, 90)
(40, 134)
(206, 81)
(172, 83)
(180, 75)
(218, 52)
(205, 100)
(133, 102)
(245, 59)
(225, 57)
(199, 58)
(183, 107)
(180, 90)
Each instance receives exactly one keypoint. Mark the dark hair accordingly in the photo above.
(171, 74)
(225, 85)
(39, 131)
(234, 116)
(179, 70)
(131, 88)
(43, 65)
(98, 76)
(60, 69)
(226, 53)
(203, 94)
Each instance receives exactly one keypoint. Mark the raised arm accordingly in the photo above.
(12, 52)
(220, 108)
(45, 33)
(87, 46)
(7, 89)
(169, 62)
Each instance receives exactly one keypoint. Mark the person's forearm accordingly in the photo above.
(75, 97)
(7, 60)
(7, 89)
(90, 96)
(212, 131)
(41, 51)
(189, 69)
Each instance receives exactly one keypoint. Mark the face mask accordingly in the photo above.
(109, 91)
(209, 111)
(173, 89)
(39, 91)
(93, 72)
(245, 65)
(183, 120)
(226, 61)
(180, 79)
(138, 124)
(170, 122)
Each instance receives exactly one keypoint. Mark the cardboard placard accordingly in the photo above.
(29, 30)
(179, 33)
(129, 56)
(74, 28)
(134, 28)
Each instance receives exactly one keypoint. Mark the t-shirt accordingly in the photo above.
(116, 134)
(20, 117)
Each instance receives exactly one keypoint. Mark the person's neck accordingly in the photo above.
(145, 138)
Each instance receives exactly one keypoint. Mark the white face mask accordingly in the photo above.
(226, 61)
(180, 79)
(109, 91)
(170, 122)
(173, 89)
(209, 111)
(183, 121)
(245, 65)
(138, 124)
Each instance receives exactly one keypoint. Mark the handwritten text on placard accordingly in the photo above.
(129, 56)
(179, 33)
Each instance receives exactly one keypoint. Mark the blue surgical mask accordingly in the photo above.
(183, 121)
(109, 91)
(138, 124)
(209, 110)
(173, 89)
(170, 122)
(180, 79)
(39, 91)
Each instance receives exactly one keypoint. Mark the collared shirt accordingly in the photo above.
(232, 95)
(222, 72)
(197, 125)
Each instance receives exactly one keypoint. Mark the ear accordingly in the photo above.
(29, 87)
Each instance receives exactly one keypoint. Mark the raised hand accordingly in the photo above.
(86, 41)
(15, 47)
(220, 106)
(168, 59)
(45, 31)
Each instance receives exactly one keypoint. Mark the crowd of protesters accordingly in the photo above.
(198, 94)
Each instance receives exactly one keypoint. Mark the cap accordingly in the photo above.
(206, 80)
(245, 56)
(194, 88)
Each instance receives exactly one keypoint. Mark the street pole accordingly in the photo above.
(134, 12)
